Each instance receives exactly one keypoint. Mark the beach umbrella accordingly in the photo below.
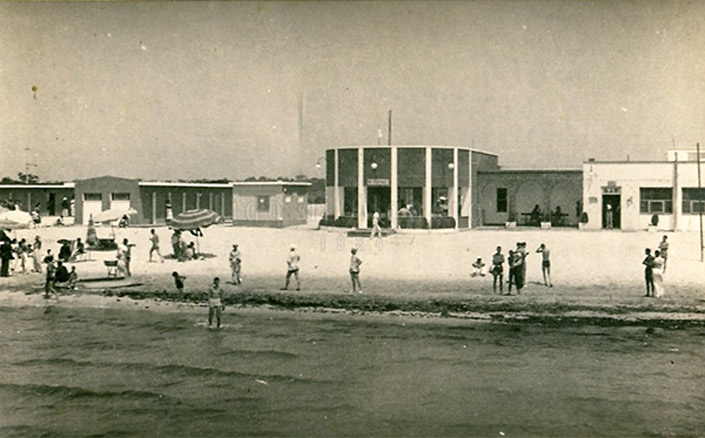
(114, 214)
(15, 219)
(195, 219)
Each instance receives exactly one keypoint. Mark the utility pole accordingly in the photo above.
(700, 204)
(389, 137)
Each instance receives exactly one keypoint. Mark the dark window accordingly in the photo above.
(92, 197)
(350, 201)
(693, 200)
(656, 200)
(120, 196)
(501, 200)
(263, 204)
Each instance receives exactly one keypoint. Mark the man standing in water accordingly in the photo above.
(663, 249)
(155, 245)
(545, 264)
(215, 303)
(355, 263)
(292, 262)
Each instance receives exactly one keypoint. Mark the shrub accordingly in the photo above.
(654, 220)
(442, 222)
(583, 218)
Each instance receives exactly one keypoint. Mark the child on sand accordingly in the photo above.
(478, 268)
(178, 281)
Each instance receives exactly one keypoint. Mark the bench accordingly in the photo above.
(111, 266)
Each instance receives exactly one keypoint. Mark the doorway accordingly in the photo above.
(378, 199)
(611, 214)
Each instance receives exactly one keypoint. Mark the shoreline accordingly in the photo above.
(482, 309)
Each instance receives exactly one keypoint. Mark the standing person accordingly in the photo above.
(545, 264)
(23, 255)
(657, 272)
(215, 303)
(176, 245)
(292, 262)
(5, 257)
(37, 254)
(65, 207)
(649, 272)
(235, 264)
(520, 254)
(127, 255)
(512, 271)
(497, 270)
(355, 263)
(169, 212)
(663, 249)
(376, 229)
(154, 238)
(49, 280)
(610, 217)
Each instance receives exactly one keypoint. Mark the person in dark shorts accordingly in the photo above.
(292, 263)
(649, 272)
(497, 270)
(545, 264)
(178, 281)
(215, 303)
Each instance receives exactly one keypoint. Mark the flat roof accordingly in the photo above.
(636, 162)
(549, 170)
(67, 185)
(410, 146)
(183, 184)
(270, 183)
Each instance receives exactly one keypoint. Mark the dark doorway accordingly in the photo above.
(378, 199)
(611, 214)
(51, 204)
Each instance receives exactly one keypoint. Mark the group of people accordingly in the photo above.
(19, 257)
(516, 263)
(182, 251)
(655, 268)
(58, 276)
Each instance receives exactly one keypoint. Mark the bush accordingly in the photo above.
(326, 221)
(654, 220)
(346, 222)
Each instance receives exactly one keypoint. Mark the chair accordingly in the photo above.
(111, 266)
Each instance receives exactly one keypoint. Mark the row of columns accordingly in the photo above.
(362, 215)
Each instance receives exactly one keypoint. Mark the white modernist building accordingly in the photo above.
(632, 192)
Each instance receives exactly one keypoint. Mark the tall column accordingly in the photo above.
(677, 196)
(336, 192)
(394, 182)
(471, 190)
(361, 201)
(427, 187)
(453, 201)
(154, 207)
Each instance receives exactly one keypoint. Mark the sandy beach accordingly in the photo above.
(594, 272)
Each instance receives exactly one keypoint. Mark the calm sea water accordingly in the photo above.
(96, 372)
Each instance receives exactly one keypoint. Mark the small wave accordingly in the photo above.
(266, 353)
(75, 392)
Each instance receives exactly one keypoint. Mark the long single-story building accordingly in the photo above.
(259, 203)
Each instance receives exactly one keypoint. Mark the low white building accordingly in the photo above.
(635, 191)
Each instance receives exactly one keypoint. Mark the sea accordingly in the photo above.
(93, 372)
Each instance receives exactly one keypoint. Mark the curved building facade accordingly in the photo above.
(411, 185)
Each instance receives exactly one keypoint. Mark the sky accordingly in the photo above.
(192, 90)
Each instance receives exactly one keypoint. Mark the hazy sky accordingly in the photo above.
(234, 89)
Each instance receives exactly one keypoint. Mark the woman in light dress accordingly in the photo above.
(658, 274)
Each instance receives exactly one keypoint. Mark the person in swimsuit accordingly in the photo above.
(215, 303)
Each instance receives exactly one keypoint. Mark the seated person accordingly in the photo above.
(478, 268)
(62, 274)
(190, 252)
(73, 278)
(80, 249)
(65, 252)
(124, 222)
(558, 216)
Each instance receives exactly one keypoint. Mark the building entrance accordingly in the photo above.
(378, 199)
(611, 215)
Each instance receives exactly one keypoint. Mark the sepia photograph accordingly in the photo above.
(467, 218)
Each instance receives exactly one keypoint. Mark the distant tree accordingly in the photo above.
(27, 178)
